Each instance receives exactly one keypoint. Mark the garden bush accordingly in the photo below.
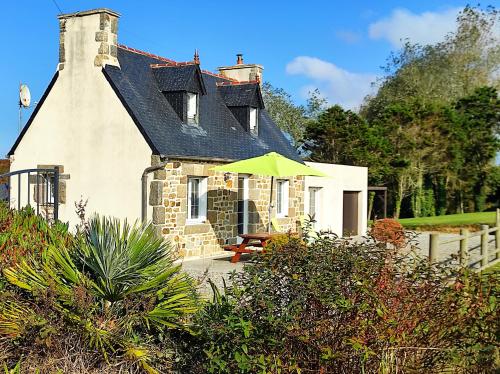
(24, 233)
(336, 306)
(102, 302)
(389, 231)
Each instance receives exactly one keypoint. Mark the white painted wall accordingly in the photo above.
(330, 205)
(83, 126)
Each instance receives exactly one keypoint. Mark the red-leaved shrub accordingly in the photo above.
(389, 231)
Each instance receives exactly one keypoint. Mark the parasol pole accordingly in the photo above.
(270, 206)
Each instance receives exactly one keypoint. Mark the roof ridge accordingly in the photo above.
(170, 63)
(173, 64)
(237, 83)
(219, 75)
(138, 51)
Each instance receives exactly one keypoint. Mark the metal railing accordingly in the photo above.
(486, 253)
(45, 191)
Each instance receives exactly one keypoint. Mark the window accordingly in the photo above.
(282, 198)
(254, 121)
(197, 199)
(192, 107)
(314, 203)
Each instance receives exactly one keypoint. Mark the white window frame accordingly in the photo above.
(316, 192)
(282, 197)
(192, 115)
(202, 200)
(253, 125)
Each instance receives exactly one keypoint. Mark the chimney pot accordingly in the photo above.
(239, 59)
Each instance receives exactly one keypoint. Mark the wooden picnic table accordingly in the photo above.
(258, 239)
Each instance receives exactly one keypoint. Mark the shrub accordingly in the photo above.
(24, 234)
(335, 306)
(389, 231)
(109, 299)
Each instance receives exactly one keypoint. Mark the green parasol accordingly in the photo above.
(271, 164)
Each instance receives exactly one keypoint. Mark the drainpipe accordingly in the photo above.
(144, 180)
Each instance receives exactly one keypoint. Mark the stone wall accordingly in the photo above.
(168, 197)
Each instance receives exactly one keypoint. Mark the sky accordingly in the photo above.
(335, 46)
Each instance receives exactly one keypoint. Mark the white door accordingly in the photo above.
(242, 210)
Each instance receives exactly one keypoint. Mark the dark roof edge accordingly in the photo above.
(33, 115)
(130, 112)
(199, 74)
(197, 158)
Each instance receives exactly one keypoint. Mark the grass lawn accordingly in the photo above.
(465, 219)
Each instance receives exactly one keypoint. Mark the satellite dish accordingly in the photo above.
(24, 96)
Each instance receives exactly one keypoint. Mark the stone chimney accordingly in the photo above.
(88, 39)
(242, 71)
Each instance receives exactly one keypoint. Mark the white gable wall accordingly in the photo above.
(83, 126)
(330, 203)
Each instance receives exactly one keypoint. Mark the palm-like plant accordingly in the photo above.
(119, 259)
(117, 284)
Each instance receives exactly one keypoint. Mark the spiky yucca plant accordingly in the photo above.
(118, 288)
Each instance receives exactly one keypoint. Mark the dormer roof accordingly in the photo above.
(241, 94)
(179, 77)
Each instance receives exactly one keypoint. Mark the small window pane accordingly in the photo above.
(194, 198)
(192, 106)
(282, 198)
(279, 205)
(253, 119)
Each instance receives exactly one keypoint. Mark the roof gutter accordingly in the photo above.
(144, 181)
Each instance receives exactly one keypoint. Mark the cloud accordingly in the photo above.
(423, 28)
(338, 85)
(347, 36)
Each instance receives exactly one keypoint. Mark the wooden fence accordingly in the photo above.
(488, 256)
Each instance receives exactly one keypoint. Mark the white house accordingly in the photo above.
(338, 203)
(137, 135)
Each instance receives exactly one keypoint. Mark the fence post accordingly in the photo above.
(497, 235)
(464, 246)
(484, 245)
(433, 247)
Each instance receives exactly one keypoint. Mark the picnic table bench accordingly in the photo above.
(258, 239)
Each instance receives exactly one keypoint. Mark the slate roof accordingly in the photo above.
(218, 134)
(242, 95)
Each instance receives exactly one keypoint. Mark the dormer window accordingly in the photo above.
(182, 86)
(254, 120)
(244, 100)
(192, 107)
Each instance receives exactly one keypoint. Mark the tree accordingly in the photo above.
(291, 118)
(343, 137)
(478, 117)
(468, 58)
(415, 133)
(426, 106)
